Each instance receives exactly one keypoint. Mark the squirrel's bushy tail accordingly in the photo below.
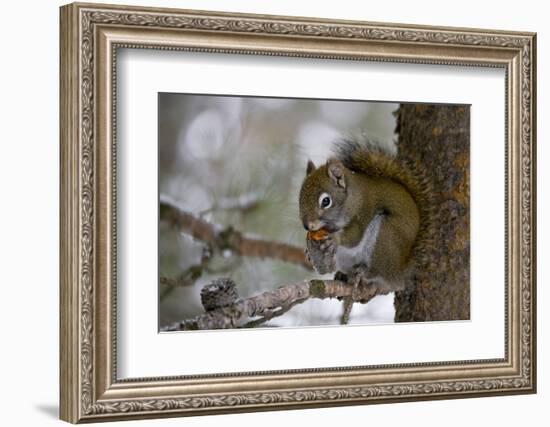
(366, 157)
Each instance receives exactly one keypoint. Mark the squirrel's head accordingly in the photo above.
(323, 195)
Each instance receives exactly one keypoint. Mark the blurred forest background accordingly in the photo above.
(240, 161)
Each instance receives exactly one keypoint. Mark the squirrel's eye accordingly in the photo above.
(325, 201)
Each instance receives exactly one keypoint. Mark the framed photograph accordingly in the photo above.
(267, 212)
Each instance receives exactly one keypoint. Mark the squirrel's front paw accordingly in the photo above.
(358, 276)
(321, 253)
(364, 288)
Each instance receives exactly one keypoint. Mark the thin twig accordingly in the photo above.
(273, 314)
(186, 278)
(189, 276)
(347, 306)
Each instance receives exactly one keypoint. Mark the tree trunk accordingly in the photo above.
(439, 137)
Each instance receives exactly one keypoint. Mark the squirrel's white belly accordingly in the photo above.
(347, 258)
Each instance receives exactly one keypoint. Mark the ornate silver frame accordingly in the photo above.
(90, 36)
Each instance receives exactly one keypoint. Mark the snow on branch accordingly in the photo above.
(249, 312)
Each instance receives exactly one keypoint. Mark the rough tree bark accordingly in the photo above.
(439, 136)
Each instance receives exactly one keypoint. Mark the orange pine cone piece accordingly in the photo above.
(317, 235)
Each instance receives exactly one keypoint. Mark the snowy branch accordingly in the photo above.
(258, 309)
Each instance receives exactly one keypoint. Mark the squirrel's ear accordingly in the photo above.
(335, 170)
(310, 167)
